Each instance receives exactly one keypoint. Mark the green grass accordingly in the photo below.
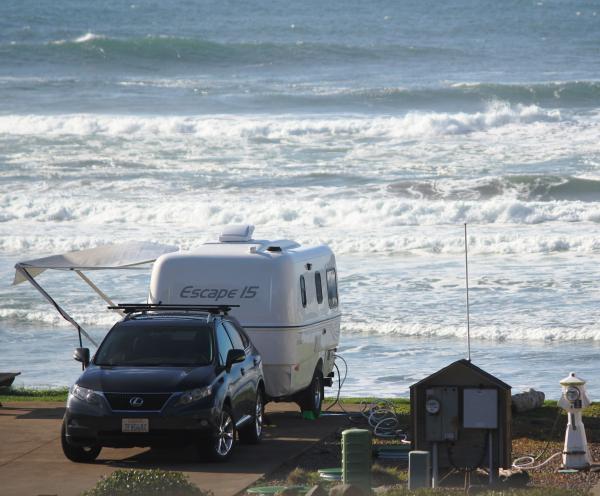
(27, 394)
(357, 401)
(401, 405)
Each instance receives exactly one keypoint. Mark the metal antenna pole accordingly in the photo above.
(467, 285)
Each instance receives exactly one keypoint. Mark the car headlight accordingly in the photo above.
(85, 394)
(194, 395)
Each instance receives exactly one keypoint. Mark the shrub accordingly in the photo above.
(299, 476)
(145, 483)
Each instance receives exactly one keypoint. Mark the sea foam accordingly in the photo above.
(497, 333)
(410, 126)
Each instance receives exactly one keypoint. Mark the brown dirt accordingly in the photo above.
(531, 433)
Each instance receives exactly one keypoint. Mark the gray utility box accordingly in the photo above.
(443, 424)
(462, 412)
(480, 408)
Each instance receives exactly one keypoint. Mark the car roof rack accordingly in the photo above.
(129, 308)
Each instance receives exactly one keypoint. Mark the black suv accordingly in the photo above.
(166, 375)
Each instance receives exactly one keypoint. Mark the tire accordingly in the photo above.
(78, 454)
(252, 432)
(311, 399)
(221, 444)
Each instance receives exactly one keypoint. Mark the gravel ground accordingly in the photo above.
(539, 433)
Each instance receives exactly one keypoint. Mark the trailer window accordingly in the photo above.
(332, 291)
(319, 287)
(303, 291)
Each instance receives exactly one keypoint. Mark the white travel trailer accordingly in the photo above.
(288, 303)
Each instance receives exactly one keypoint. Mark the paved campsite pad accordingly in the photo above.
(32, 462)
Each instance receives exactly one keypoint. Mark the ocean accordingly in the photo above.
(377, 127)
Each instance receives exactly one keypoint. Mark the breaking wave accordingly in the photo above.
(409, 126)
(310, 209)
(486, 333)
(519, 187)
(101, 318)
(410, 226)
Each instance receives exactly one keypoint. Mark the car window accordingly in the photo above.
(223, 343)
(242, 333)
(332, 291)
(245, 337)
(147, 344)
(234, 335)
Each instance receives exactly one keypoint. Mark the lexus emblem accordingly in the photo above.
(136, 401)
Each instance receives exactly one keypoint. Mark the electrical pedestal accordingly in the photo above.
(576, 454)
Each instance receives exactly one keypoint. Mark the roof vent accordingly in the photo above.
(237, 234)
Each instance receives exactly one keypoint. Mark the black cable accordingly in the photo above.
(545, 448)
(340, 382)
(554, 425)
(337, 398)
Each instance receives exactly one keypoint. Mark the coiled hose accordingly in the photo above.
(381, 415)
(527, 462)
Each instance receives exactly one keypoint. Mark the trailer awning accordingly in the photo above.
(114, 256)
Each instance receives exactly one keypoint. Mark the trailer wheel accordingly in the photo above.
(311, 399)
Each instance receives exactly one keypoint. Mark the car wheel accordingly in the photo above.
(311, 398)
(79, 454)
(222, 442)
(252, 432)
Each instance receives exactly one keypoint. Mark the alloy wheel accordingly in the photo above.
(258, 415)
(225, 434)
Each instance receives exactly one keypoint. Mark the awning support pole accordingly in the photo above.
(98, 291)
(58, 308)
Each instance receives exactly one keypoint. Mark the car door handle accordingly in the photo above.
(256, 362)
(243, 370)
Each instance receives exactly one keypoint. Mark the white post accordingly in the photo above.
(467, 288)
(576, 453)
(434, 465)
(491, 457)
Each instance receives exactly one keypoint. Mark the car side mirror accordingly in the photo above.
(235, 356)
(82, 355)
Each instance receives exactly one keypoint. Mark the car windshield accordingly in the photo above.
(148, 344)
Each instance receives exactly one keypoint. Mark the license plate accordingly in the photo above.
(135, 425)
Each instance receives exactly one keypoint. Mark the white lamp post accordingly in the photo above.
(574, 399)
